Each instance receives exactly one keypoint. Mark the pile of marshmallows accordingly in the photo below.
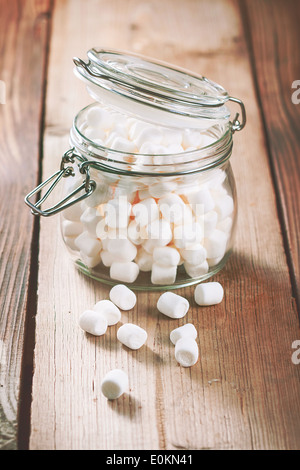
(153, 224)
(107, 312)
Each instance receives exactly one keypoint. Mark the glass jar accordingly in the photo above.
(149, 195)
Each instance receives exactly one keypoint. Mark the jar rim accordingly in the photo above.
(206, 157)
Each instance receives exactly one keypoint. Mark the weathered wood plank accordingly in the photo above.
(244, 392)
(274, 35)
(23, 38)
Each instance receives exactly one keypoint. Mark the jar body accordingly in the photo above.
(151, 231)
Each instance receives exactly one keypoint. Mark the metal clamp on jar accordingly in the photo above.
(149, 195)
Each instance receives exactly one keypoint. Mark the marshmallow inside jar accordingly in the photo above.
(153, 151)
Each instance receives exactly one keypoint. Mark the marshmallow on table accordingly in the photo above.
(186, 331)
(124, 271)
(132, 336)
(109, 310)
(208, 293)
(186, 352)
(172, 305)
(114, 384)
(161, 275)
(93, 322)
(123, 297)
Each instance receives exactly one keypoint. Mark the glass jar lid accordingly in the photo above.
(153, 90)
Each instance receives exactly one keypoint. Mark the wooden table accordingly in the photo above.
(244, 393)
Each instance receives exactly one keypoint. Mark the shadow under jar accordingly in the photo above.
(149, 194)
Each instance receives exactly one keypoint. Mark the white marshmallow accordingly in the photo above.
(145, 212)
(224, 206)
(159, 232)
(124, 271)
(201, 201)
(158, 190)
(209, 222)
(144, 260)
(70, 242)
(73, 212)
(123, 145)
(134, 233)
(208, 293)
(166, 256)
(93, 322)
(114, 384)
(186, 331)
(71, 228)
(196, 270)
(88, 245)
(149, 134)
(186, 352)
(117, 212)
(172, 305)
(95, 134)
(215, 244)
(161, 275)
(90, 218)
(171, 137)
(90, 261)
(132, 336)
(172, 207)
(225, 225)
(187, 234)
(102, 194)
(123, 297)
(214, 261)
(122, 249)
(194, 254)
(107, 258)
(109, 310)
(191, 138)
(98, 116)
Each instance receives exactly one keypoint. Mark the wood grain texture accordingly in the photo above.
(274, 35)
(23, 34)
(244, 391)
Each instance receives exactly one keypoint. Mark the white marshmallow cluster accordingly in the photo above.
(157, 225)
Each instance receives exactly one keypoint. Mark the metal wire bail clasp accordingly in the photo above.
(65, 171)
(236, 124)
